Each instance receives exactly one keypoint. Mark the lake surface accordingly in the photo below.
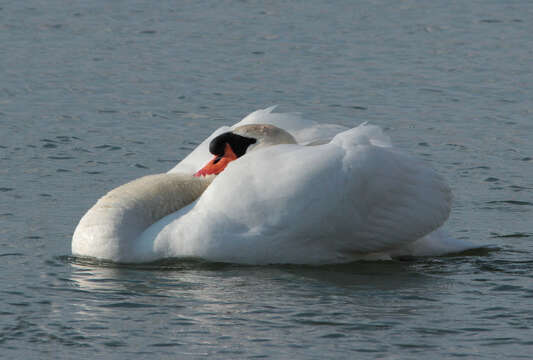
(94, 94)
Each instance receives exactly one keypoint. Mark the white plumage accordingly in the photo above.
(336, 196)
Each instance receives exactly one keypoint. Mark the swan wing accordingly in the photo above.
(304, 131)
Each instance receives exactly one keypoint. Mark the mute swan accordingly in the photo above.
(278, 190)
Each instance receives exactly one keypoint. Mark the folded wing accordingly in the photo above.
(311, 204)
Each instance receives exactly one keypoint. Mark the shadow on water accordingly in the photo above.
(169, 264)
(170, 274)
(177, 264)
(359, 296)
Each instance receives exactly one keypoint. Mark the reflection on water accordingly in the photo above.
(370, 289)
(209, 304)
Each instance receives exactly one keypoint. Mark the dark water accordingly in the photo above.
(94, 94)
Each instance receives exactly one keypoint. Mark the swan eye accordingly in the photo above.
(217, 159)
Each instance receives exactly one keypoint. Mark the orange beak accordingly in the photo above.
(218, 163)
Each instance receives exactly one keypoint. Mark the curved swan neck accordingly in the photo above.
(158, 195)
(119, 217)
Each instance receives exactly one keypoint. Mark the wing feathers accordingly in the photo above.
(404, 199)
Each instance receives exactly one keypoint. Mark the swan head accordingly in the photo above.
(231, 145)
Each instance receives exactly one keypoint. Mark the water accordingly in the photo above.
(95, 94)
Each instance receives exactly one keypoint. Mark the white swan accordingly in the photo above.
(313, 194)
